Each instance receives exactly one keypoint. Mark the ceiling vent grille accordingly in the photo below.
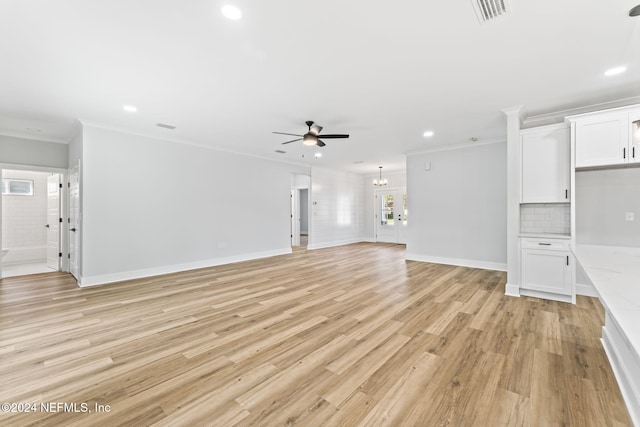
(488, 10)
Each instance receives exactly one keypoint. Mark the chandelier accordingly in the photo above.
(380, 182)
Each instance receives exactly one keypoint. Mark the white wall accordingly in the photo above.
(151, 206)
(24, 219)
(337, 208)
(602, 199)
(395, 179)
(458, 208)
(21, 151)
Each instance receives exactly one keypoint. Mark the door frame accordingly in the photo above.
(376, 192)
(64, 206)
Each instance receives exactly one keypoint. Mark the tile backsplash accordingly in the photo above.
(545, 218)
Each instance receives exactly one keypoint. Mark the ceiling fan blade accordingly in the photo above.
(293, 140)
(315, 129)
(335, 136)
(283, 133)
(320, 143)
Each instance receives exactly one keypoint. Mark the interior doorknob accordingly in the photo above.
(72, 229)
(47, 226)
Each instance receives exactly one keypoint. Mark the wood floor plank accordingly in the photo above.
(344, 336)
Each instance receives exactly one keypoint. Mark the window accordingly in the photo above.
(386, 210)
(17, 187)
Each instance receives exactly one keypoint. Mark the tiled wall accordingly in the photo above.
(24, 217)
(547, 218)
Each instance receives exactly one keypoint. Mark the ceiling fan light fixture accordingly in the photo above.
(309, 139)
(635, 11)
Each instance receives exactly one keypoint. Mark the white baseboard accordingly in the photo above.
(485, 265)
(86, 281)
(512, 290)
(625, 365)
(323, 245)
(586, 290)
(570, 299)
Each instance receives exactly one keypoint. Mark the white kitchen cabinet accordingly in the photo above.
(547, 266)
(546, 165)
(606, 138)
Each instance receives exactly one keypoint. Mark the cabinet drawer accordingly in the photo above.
(545, 244)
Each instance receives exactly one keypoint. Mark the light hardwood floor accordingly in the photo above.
(345, 336)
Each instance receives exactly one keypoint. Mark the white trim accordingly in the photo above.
(512, 290)
(586, 290)
(484, 265)
(29, 168)
(175, 268)
(561, 114)
(452, 147)
(625, 366)
(333, 244)
(570, 299)
(546, 128)
(86, 123)
(21, 135)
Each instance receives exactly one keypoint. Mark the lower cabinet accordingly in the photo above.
(547, 267)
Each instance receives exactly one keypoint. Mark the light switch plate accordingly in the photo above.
(629, 216)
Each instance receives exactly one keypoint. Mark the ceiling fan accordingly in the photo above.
(312, 137)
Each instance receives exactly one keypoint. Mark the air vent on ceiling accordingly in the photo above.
(280, 151)
(162, 125)
(488, 10)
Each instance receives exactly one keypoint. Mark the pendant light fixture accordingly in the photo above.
(380, 182)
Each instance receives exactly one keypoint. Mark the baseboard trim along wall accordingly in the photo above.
(484, 265)
(512, 290)
(168, 269)
(586, 290)
(334, 243)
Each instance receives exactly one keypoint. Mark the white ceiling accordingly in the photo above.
(382, 71)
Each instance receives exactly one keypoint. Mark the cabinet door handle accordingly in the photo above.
(544, 244)
(566, 194)
(624, 153)
(567, 259)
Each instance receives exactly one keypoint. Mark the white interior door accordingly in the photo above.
(53, 222)
(391, 215)
(74, 221)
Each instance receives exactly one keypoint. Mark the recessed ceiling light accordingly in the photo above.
(428, 134)
(129, 108)
(318, 155)
(615, 71)
(231, 12)
(358, 162)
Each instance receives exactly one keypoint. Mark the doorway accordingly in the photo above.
(31, 222)
(300, 226)
(391, 215)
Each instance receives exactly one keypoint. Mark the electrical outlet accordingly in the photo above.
(628, 216)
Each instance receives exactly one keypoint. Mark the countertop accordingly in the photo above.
(544, 236)
(615, 273)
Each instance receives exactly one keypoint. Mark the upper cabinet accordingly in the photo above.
(607, 138)
(546, 166)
